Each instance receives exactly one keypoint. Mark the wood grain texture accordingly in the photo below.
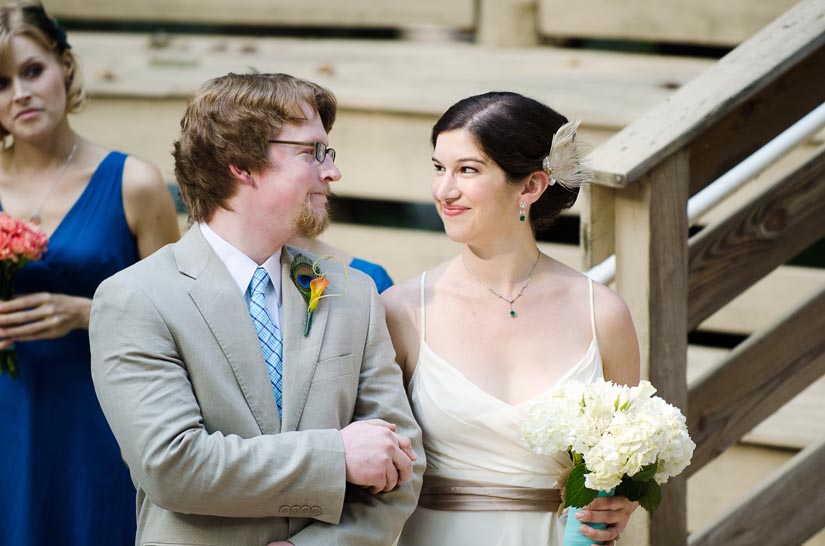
(651, 276)
(507, 23)
(785, 510)
(597, 225)
(756, 121)
(341, 13)
(707, 101)
(707, 22)
(728, 258)
(756, 379)
(606, 90)
(776, 294)
(796, 425)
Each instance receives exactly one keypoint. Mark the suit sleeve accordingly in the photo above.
(145, 392)
(375, 520)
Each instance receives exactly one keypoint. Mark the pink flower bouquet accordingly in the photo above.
(20, 243)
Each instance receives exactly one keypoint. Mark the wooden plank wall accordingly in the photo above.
(390, 94)
(500, 22)
(702, 22)
(340, 13)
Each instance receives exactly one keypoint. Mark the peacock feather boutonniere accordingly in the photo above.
(311, 282)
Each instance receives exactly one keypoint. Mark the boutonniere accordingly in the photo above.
(311, 282)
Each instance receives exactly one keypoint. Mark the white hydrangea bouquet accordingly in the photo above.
(622, 440)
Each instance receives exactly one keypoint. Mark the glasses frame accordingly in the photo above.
(321, 149)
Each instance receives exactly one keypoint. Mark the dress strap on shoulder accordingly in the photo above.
(592, 309)
(422, 309)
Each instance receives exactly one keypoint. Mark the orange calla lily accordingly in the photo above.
(316, 287)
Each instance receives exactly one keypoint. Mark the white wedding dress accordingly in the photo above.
(470, 435)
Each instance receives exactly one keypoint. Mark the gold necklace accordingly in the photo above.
(512, 300)
(35, 216)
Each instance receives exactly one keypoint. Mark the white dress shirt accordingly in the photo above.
(241, 267)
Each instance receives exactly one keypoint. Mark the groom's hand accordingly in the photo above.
(376, 457)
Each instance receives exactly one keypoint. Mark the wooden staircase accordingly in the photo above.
(645, 175)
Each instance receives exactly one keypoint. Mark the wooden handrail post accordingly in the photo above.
(651, 275)
(507, 23)
(597, 224)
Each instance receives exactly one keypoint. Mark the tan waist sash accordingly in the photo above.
(467, 496)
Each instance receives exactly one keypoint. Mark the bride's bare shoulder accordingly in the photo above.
(616, 334)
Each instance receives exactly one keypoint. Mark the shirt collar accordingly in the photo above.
(240, 266)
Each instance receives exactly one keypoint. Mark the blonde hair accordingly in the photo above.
(228, 121)
(29, 19)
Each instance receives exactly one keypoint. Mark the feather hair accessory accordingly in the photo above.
(563, 164)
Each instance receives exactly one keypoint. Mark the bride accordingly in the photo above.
(482, 334)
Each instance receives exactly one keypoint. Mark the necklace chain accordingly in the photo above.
(512, 300)
(35, 216)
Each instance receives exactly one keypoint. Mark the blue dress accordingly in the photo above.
(62, 480)
(378, 273)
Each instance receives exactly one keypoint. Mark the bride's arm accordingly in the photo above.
(619, 348)
(402, 302)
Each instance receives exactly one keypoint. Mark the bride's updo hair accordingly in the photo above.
(522, 136)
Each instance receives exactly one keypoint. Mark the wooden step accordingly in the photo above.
(725, 482)
(798, 424)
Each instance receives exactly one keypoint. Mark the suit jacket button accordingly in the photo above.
(315, 510)
(295, 510)
(305, 510)
(284, 510)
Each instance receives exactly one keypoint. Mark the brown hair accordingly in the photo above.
(29, 19)
(228, 121)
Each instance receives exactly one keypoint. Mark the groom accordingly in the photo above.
(243, 422)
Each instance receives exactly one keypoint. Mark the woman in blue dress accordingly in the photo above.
(62, 479)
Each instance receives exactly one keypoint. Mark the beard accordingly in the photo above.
(310, 222)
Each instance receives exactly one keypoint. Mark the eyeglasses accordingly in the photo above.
(321, 149)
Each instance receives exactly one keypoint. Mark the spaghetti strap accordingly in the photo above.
(422, 308)
(592, 311)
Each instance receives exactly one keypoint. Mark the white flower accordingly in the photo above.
(617, 430)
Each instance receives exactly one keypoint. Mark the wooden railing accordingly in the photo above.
(637, 210)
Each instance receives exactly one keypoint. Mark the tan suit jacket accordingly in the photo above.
(182, 380)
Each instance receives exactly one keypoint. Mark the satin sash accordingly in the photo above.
(467, 496)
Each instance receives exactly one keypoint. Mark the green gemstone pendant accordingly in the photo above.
(522, 218)
(512, 312)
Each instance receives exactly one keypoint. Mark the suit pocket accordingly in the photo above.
(333, 367)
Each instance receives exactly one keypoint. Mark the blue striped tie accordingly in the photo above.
(269, 335)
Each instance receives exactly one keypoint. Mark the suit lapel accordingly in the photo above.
(300, 353)
(216, 296)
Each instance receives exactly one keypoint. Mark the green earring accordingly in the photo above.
(522, 207)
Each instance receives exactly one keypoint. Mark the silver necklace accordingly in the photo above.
(35, 216)
(512, 300)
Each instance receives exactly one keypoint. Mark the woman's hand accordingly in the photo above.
(614, 511)
(42, 316)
